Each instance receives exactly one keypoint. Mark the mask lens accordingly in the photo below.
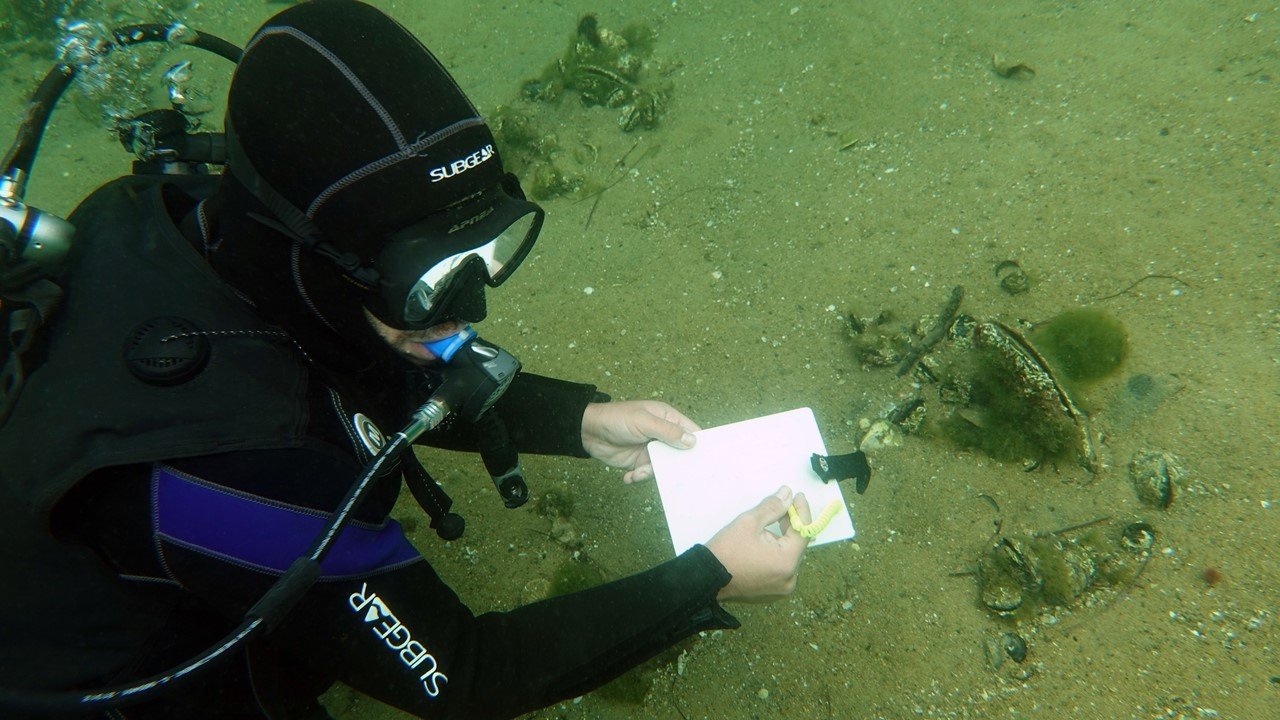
(500, 256)
(418, 304)
(504, 252)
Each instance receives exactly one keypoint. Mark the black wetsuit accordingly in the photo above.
(185, 525)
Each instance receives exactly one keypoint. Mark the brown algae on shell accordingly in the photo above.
(1009, 574)
(1042, 408)
(1069, 569)
(607, 69)
(1020, 574)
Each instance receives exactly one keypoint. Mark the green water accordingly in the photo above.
(716, 272)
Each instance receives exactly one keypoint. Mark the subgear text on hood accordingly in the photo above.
(461, 165)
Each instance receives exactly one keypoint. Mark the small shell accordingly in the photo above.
(563, 532)
(1069, 570)
(999, 590)
(1007, 574)
(536, 589)
(1013, 279)
(1014, 646)
(1138, 536)
(1156, 476)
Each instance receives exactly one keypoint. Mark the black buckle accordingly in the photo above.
(850, 466)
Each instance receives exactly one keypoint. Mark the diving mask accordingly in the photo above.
(477, 242)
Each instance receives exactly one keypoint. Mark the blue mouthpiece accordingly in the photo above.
(446, 347)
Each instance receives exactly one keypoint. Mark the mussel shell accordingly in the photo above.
(1007, 573)
(1013, 279)
(1014, 646)
(999, 590)
(1023, 562)
(1155, 477)
(1002, 597)
(1069, 570)
(1138, 536)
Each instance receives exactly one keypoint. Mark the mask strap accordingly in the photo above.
(289, 221)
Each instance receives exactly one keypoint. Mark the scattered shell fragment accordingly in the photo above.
(859, 325)
(1156, 476)
(880, 435)
(880, 351)
(1011, 70)
(873, 343)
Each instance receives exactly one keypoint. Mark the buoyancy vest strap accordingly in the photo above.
(28, 309)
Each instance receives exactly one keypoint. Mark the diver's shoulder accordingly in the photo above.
(137, 191)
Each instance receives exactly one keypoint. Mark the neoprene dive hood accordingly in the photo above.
(360, 177)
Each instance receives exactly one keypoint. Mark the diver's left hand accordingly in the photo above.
(617, 433)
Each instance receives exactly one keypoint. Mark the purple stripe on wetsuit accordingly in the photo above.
(249, 530)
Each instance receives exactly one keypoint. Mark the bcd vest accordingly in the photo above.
(64, 617)
(85, 409)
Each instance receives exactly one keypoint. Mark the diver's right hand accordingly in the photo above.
(764, 566)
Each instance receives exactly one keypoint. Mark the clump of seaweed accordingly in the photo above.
(603, 68)
(1084, 344)
(1020, 574)
(608, 69)
(532, 151)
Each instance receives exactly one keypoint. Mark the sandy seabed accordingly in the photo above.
(824, 158)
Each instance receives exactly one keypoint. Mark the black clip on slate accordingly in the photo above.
(852, 465)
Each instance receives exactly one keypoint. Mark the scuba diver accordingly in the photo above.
(180, 534)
